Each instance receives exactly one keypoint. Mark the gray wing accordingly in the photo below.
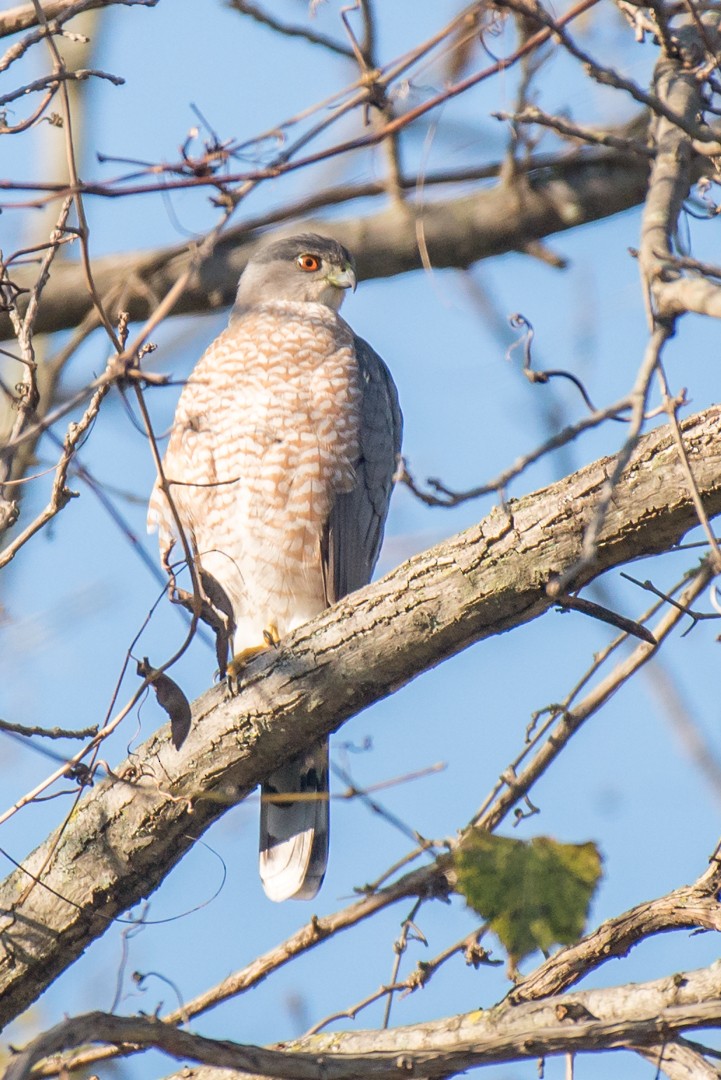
(354, 531)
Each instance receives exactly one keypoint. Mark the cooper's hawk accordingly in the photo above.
(281, 463)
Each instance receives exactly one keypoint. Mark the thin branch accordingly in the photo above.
(60, 72)
(533, 115)
(53, 82)
(29, 121)
(286, 161)
(255, 12)
(558, 731)
(60, 495)
(399, 947)
(28, 392)
(687, 263)
(694, 616)
(639, 398)
(672, 411)
(352, 1011)
(48, 733)
(442, 495)
(606, 76)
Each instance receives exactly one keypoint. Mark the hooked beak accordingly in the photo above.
(343, 279)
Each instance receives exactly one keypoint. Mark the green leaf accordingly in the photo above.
(534, 894)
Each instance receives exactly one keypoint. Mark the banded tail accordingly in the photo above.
(294, 835)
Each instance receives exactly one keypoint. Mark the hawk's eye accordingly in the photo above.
(309, 263)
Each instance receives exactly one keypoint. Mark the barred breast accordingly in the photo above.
(265, 438)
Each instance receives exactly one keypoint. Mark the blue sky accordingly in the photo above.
(77, 594)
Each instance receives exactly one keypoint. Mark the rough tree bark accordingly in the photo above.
(613, 1017)
(133, 828)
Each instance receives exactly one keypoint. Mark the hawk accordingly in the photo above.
(280, 464)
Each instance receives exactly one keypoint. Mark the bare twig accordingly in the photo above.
(48, 733)
(613, 618)
(672, 411)
(639, 398)
(287, 161)
(28, 392)
(408, 930)
(533, 115)
(606, 76)
(520, 322)
(53, 82)
(514, 785)
(60, 495)
(254, 11)
(694, 616)
(441, 495)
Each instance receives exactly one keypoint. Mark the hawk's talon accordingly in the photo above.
(236, 665)
(232, 686)
(271, 640)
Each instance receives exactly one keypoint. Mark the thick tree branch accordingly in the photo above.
(26, 16)
(677, 83)
(637, 1015)
(690, 907)
(132, 829)
(610, 1008)
(458, 232)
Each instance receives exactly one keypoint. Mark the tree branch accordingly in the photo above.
(690, 907)
(482, 582)
(577, 189)
(672, 293)
(637, 1015)
(26, 16)
(244, 7)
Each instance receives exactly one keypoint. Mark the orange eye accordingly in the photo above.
(309, 263)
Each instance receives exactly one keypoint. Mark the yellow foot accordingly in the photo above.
(271, 639)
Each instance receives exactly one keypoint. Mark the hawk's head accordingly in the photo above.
(306, 267)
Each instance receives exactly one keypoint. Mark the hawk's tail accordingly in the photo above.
(294, 834)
